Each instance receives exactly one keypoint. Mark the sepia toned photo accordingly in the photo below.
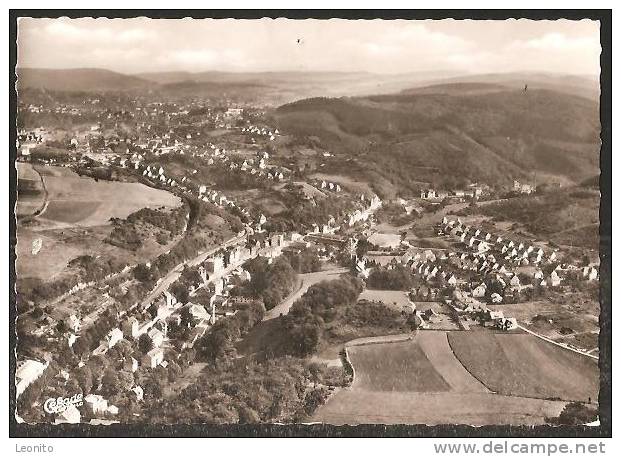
(307, 221)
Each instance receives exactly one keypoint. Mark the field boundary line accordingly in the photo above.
(466, 368)
(586, 354)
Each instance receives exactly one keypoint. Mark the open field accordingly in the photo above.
(361, 407)
(522, 365)
(385, 240)
(405, 369)
(31, 194)
(423, 382)
(79, 201)
(396, 299)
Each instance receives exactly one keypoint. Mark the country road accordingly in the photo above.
(306, 280)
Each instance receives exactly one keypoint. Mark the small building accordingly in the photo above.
(156, 336)
(96, 403)
(114, 336)
(131, 327)
(153, 358)
(479, 291)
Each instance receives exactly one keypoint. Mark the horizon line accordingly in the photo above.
(241, 72)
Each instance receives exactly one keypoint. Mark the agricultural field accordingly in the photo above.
(385, 240)
(525, 366)
(78, 201)
(408, 369)
(423, 382)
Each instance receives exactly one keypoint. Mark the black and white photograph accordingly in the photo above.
(268, 220)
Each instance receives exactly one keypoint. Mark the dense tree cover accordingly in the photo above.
(395, 214)
(145, 343)
(172, 221)
(363, 246)
(307, 261)
(304, 215)
(217, 345)
(398, 277)
(367, 318)
(131, 232)
(189, 278)
(280, 390)
(415, 140)
(307, 317)
(270, 282)
(45, 153)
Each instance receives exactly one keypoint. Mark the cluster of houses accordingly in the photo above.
(327, 185)
(260, 168)
(64, 109)
(514, 252)
(474, 191)
(370, 205)
(523, 188)
(28, 139)
(261, 131)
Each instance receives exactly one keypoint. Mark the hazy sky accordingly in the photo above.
(137, 45)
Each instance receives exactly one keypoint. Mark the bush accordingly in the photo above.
(575, 414)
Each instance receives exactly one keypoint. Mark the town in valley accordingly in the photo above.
(300, 247)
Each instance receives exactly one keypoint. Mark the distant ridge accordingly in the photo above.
(77, 80)
(579, 85)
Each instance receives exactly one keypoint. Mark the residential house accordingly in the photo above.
(156, 336)
(555, 280)
(479, 291)
(114, 336)
(96, 403)
(131, 327)
(153, 358)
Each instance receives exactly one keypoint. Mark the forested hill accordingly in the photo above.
(460, 132)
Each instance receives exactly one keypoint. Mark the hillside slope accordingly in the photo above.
(479, 134)
(78, 80)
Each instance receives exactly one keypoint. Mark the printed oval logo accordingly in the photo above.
(60, 404)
